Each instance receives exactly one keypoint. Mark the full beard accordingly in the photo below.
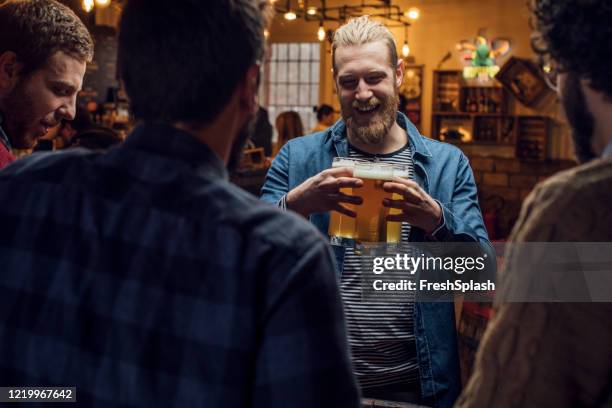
(238, 147)
(17, 117)
(373, 133)
(579, 117)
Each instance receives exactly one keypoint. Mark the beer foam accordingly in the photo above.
(374, 171)
(343, 163)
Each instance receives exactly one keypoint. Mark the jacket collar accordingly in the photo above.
(337, 134)
(170, 142)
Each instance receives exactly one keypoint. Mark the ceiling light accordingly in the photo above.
(413, 13)
(290, 15)
(311, 11)
(405, 49)
(321, 33)
(88, 5)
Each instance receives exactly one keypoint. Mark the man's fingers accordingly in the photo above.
(409, 194)
(345, 198)
(344, 182)
(343, 210)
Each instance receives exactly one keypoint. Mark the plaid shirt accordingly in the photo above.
(144, 278)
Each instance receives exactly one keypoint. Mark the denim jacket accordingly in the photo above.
(443, 171)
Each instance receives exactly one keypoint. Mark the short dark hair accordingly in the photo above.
(37, 29)
(324, 110)
(182, 61)
(577, 35)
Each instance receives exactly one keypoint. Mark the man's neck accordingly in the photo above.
(393, 141)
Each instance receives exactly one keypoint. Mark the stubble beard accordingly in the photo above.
(376, 131)
(579, 117)
(17, 106)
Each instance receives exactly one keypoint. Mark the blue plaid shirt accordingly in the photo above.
(144, 278)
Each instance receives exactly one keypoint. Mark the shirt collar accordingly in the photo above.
(168, 141)
(418, 147)
(607, 150)
(3, 136)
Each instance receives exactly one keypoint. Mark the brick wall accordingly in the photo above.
(504, 183)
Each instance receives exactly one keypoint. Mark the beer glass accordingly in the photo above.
(371, 223)
(394, 229)
(341, 225)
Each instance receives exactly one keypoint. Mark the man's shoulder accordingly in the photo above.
(578, 184)
(572, 205)
(267, 223)
(437, 147)
(309, 141)
(46, 163)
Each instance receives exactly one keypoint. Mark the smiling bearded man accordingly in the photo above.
(402, 351)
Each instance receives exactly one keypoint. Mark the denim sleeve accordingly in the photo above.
(276, 184)
(463, 222)
(304, 359)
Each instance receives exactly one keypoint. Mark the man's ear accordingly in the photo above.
(399, 73)
(250, 89)
(10, 68)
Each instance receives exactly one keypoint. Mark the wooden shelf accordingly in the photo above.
(468, 115)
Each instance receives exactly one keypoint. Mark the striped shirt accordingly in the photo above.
(381, 335)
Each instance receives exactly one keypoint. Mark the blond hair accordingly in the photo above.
(363, 30)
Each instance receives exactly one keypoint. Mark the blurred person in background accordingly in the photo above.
(98, 137)
(325, 118)
(288, 126)
(262, 131)
(558, 354)
(44, 48)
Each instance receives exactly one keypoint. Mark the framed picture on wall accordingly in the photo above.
(522, 78)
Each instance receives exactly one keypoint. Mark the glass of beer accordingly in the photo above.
(371, 220)
(370, 223)
(394, 229)
(341, 225)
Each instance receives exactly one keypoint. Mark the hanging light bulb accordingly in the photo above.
(413, 13)
(88, 5)
(321, 33)
(405, 49)
(290, 14)
(102, 3)
(311, 11)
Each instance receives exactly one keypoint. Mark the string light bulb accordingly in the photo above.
(88, 5)
(405, 49)
(290, 14)
(413, 13)
(102, 3)
(321, 32)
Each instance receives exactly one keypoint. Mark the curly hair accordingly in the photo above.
(36, 29)
(577, 36)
